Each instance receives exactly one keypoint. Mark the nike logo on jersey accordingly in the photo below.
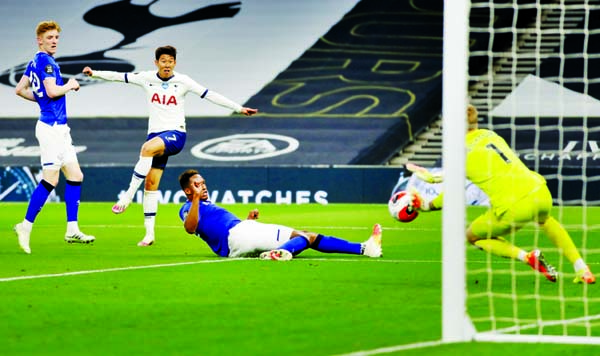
(171, 138)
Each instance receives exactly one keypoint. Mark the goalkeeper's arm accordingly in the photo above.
(428, 205)
(424, 174)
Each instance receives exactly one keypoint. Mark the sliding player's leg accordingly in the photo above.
(301, 240)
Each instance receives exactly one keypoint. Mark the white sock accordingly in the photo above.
(522, 256)
(150, 209)
(579, 265)
(27, 225)
(140, 171)
(72, 227)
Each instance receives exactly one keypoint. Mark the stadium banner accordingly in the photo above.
(279, 184)
(226, 185)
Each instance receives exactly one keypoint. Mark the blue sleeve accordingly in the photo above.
(46, 69)
(29, 69)
(184, 210)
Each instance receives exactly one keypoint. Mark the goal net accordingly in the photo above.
(533, 73)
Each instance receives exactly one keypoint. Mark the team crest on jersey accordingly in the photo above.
(165, 85)
(49, 69)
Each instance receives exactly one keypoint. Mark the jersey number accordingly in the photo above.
(500, 153)
(36, 85)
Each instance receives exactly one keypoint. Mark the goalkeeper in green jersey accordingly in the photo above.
(517, 196)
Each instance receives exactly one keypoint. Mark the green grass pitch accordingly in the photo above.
(178, 298)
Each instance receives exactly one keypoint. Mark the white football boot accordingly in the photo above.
(23, 235)
(79, 237)
(276, 255)
(372, 247)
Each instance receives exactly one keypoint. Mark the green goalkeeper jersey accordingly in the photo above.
(497, 171)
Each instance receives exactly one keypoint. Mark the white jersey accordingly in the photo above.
(166, 98)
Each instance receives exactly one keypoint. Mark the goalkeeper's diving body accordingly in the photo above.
(228, 236)
(517, 196)
(165, 94)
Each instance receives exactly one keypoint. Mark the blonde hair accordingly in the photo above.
(472, 117)
(46, 26)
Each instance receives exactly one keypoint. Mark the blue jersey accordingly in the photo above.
(52, 111)
(213, 225)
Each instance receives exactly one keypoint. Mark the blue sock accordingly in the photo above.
(330, 244)
(72, 196)
(38, 199)
(295, 245)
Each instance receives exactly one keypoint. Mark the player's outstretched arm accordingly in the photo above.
(423, 173)
(248, 111)
(88, 71)
(104, 74)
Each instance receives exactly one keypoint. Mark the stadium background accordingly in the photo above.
(342, 87)
(331, 76)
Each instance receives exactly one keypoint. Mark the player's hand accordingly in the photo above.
(423, 173)
(253, 214)
(248, 111)
(87, 71)
(73, 84)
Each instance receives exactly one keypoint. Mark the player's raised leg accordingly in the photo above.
(151, 149)
(141, 169)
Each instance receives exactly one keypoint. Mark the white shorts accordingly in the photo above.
(56, 145)
(250, 237)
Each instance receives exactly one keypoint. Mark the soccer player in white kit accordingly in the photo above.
(42, 83)
(165, 94)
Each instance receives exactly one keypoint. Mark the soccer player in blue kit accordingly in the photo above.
(165, 94)
(228, 236)
(43, 83)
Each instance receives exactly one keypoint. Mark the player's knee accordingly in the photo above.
(310, 236)
(471, 237)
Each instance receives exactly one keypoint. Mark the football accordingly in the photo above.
(403, 206)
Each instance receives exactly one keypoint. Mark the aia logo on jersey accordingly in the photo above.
(163, 99)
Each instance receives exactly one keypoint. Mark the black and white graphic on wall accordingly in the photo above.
(132, 21)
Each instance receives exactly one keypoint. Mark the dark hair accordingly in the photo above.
(170, 50)
(184, 178)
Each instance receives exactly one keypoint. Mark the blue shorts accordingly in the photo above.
(174, 142)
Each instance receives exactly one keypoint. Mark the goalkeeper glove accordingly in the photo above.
(423, 173)
(418, 201)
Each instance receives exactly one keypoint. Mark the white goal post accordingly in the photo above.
(458, 322)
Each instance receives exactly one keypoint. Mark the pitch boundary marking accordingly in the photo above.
(385, 350)
(175, 264)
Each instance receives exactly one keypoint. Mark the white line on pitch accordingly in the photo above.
(116, 269)
(175, 264)
(385, 350)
